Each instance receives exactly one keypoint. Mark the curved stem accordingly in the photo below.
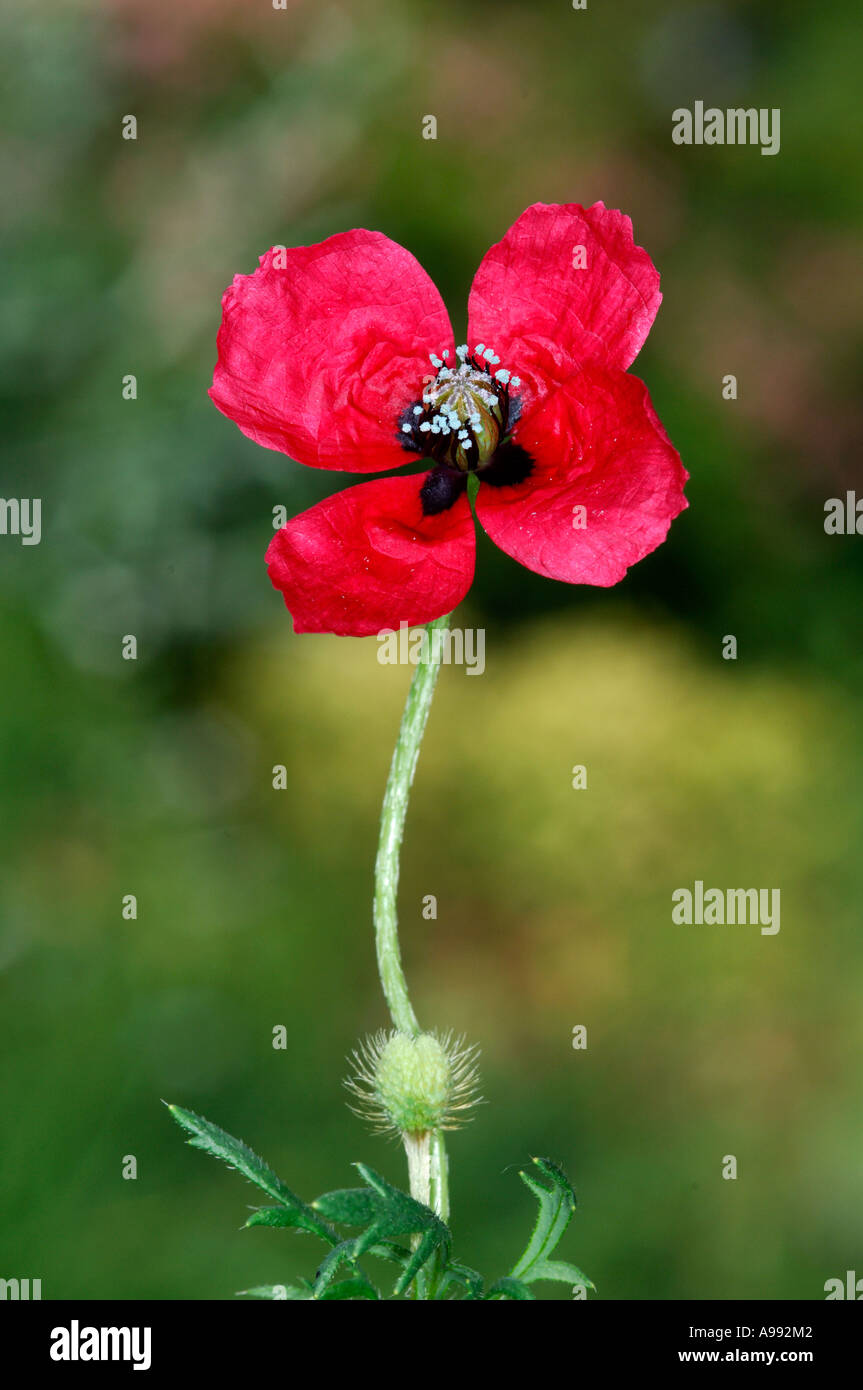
(428, 1179)
(393, 814)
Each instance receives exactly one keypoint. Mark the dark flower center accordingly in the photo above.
(463, 421)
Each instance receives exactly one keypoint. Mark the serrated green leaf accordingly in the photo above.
(270, 1216)
(397, 1214)
(385, 1211)
(561, 1271)
(344, 1253)
(436, 1237)
(553, 1191)
(349, 1288)
(509, 1288)
(219, 1144)
(350, 1206)
(404, 1214)
(465, 1277)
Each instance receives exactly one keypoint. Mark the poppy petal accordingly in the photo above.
(323, 347)
(369, 558)
(566, 286)
(606, 483)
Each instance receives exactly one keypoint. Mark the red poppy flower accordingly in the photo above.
(342, 356)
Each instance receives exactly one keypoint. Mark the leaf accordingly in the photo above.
(394, 1213)
(430, 1241)
(563, 1272)
(238, 1155)
(465, 1277)
(509, 1288)
(404, 1215)
(556, 1206)
(270, 1216)
(556, 1198)
(344, 1253)
(385, 1212)
(356, 1287)
(381, 1213)
(350, 1288)
(350, 1206)
(362, 1206)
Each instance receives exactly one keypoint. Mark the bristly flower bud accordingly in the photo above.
(412, 1085)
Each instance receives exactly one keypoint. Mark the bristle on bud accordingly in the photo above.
(413, 1085)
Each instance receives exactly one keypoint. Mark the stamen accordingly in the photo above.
(468, 406)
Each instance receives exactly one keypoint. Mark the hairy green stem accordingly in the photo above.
(439, 1175)
(417, 1148)
(393, 815)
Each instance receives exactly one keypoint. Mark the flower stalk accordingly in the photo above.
(393, 813)
(428, 1168)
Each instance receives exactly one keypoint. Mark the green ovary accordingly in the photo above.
(413, 1082)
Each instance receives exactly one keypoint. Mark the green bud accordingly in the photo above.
(414, 1084)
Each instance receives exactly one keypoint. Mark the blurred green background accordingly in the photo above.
(153, 777)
